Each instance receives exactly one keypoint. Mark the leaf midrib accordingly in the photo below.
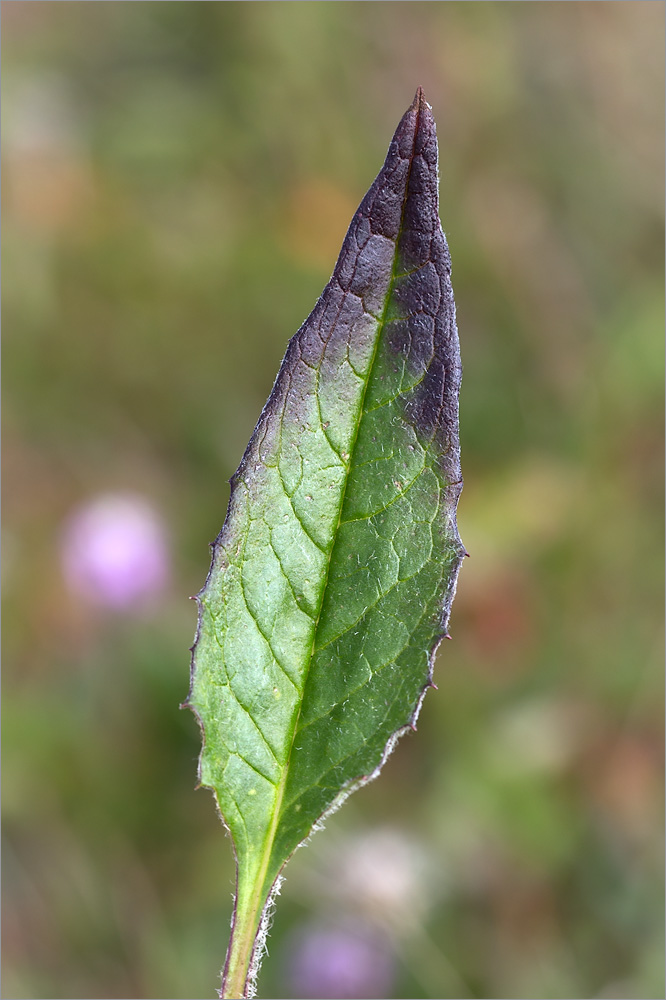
(271, 832)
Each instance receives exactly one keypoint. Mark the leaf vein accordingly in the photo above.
(372, 606)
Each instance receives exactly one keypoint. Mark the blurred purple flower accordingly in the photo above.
(340, 963)
(114, 551)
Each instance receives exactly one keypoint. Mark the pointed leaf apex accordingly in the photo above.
(419, 99)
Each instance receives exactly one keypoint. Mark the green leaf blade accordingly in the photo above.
(332, 578)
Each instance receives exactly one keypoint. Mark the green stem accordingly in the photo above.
(251, 897)
(248, 907)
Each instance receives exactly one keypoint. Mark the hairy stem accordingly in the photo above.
(235, 980)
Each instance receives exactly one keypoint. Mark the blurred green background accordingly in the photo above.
(177, 180)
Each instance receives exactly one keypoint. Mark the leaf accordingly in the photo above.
(332, 578)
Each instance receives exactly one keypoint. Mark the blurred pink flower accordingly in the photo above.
(388, 874)
(114, 551)
(340, 962)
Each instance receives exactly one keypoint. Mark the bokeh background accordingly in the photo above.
(177, 180)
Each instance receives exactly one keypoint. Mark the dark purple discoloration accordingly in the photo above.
(395, 241)
(414, 338)
(423, 298)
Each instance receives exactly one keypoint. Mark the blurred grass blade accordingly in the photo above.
(333, 576)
